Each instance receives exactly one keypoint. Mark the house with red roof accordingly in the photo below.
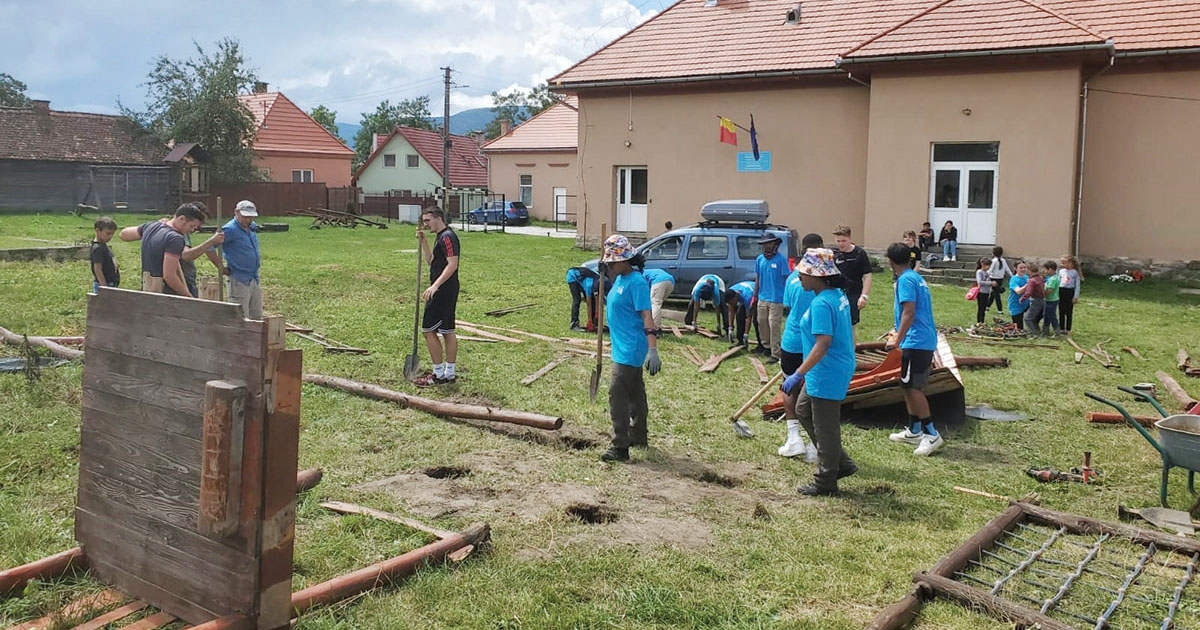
(536, 162)
(292, 147)
(410, 159)
(1044, 126)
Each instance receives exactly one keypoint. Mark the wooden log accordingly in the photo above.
(712, 363)
(900, 614)
(235, 621)
(982, 539)
(981, 361)
(760, 369)
(1089, 527)
(528, 380)
(675, 331)
(56, 349)
(1134, 352)
(1177, 392)
(111, 616)
(1008, 344)
(375, 575)
(350, 508)
(759, 394)
(1182, 360)
(505, 311)
(221, 460)
(308, 479)
(997, 607)
(1093, 354)
(437, 407)
(45, 569)
(1105, 417)
(66, 341)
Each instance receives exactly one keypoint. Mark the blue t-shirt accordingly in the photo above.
(588, 285)
(573, 275)
(241, 251)
(718, 288)
(797, 299)
(630, 296)
(1015, 305)
(658, 276)
(772, 277)
(829, 314)
(922, 335)
(745, 290)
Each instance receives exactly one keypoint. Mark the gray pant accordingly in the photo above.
(1033, 316)
(627, 405)
(249, 295)
(822, 421)
(770, 325)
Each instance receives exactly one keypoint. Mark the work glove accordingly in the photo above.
(792, 383)
(730, 335)
(653, 363)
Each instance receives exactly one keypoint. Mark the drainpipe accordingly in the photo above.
(1083, 97)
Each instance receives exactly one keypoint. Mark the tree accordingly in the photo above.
(518, 106)
(386, 117)
(12, 92)
(328, 120)
(196, 100)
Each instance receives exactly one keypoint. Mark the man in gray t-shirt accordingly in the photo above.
(163, 247)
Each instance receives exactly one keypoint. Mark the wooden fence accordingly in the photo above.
(274, 199)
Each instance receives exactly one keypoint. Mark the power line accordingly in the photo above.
(1162, 96)
(384, 92)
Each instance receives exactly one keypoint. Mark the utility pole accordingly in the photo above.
(446, 144)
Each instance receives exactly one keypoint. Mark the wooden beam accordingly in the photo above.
(675, 331)
(1134, 352)
(112, 616)
(505, 311)
(437, 407)
(528, 380)
(488, 335)
(156, 620)
(1089, 527)
(507, 330)
(1093, 354)
(760, 369)
(351, 508)
(981, 361)
(1177, 392)
(86, 605)
(221, 463)
(997, 607)
(713, 362)
(235, 621)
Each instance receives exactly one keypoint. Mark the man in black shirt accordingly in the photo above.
(855, 267)
(441, 298)
(104, 266)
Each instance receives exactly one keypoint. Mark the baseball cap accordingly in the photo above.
(246, 208)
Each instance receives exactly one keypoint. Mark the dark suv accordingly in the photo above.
(725, 244)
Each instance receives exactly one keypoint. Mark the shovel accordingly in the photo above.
(412, 363)
(594, 386)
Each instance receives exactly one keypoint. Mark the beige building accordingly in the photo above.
(537, 163)
(1046, 127)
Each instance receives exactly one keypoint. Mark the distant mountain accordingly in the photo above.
(462, 123)
(347, 131)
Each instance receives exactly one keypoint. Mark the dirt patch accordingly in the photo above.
(447, 472)
(591, 514)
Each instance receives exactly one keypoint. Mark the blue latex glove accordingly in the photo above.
(793, 383)
(653, 363)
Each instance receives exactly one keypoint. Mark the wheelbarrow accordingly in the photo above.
(1178, 443)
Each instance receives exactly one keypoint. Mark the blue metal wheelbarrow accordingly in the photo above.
(1178, 438)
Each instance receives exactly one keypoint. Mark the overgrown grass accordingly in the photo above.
(829, 563)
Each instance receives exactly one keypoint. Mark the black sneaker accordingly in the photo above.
(846, 472)
(614, 454)
(445, 380)
(813, 490)
(770, 360)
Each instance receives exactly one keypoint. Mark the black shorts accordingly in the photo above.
(440, 311)
(853, 299)
(914, 368)
(788, 361)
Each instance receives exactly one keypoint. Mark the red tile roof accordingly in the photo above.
(29, 134)
(284, 127)
(741, 38)
(468, 167)
(555, 128)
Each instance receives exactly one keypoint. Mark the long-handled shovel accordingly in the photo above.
(594, 386)
(412, 363)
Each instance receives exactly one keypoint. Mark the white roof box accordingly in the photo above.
(739, 210)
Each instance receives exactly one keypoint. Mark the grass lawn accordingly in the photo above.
(686, 549)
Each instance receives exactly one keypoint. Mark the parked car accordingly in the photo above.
(500, 213)
(725, 243)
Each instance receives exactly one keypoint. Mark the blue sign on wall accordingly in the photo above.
(747, 164)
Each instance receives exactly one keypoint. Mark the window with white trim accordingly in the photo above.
(389, 160)
(412, 160)
(302, 176)
(526, 190)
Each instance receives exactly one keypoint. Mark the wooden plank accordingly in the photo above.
(504, 311)
(528, 380)
(84, 606)
(476, 339)
(221, 465)
(257, 395)
(131, 342)
(107, 362)
(157, 620)
(197, 334)
(179, 510)
(122, 460)
(760, 369)
(123, 302)
(350, 508)
(150, 392)
(146, 414)
(281, 455)
(513, 331)
(112, 616)
(712, 364)
(675, 331)
(488, 335)
(704, 332)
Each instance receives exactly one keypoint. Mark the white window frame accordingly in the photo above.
(385, 160)
(525, 190)
(305, 175)
(412, 160)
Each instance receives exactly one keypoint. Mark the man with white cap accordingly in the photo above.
(634, 342)
(242, 259)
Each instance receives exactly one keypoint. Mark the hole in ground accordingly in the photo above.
(709, 476)
(591, 514)
(447, 472)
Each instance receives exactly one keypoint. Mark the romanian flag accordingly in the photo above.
(728, 132)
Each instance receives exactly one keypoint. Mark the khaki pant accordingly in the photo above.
(659, 294)
(770, 324)
(249, 295)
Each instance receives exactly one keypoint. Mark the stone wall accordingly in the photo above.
(52, 254)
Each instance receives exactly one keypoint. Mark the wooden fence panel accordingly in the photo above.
(273, 199)
(138, 516)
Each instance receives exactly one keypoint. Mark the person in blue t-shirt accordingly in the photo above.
(916, 336)
(1016, 289)
(582, 282)
(821, 381)
(661, 286)
(770, 275)
(796, 300)
(739, 303)
(634, 343)
(243, 259)
(709, 288)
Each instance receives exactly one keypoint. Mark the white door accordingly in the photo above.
(965, 193)
(632, 188)
(560, 204)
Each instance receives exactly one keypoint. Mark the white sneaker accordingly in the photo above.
(907, 437)
(928, 445)
(742, 429)
(792, 447)
(810, 454)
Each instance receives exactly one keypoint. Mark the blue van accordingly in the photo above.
(725, 243)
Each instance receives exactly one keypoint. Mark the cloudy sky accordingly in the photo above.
(345, 54)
